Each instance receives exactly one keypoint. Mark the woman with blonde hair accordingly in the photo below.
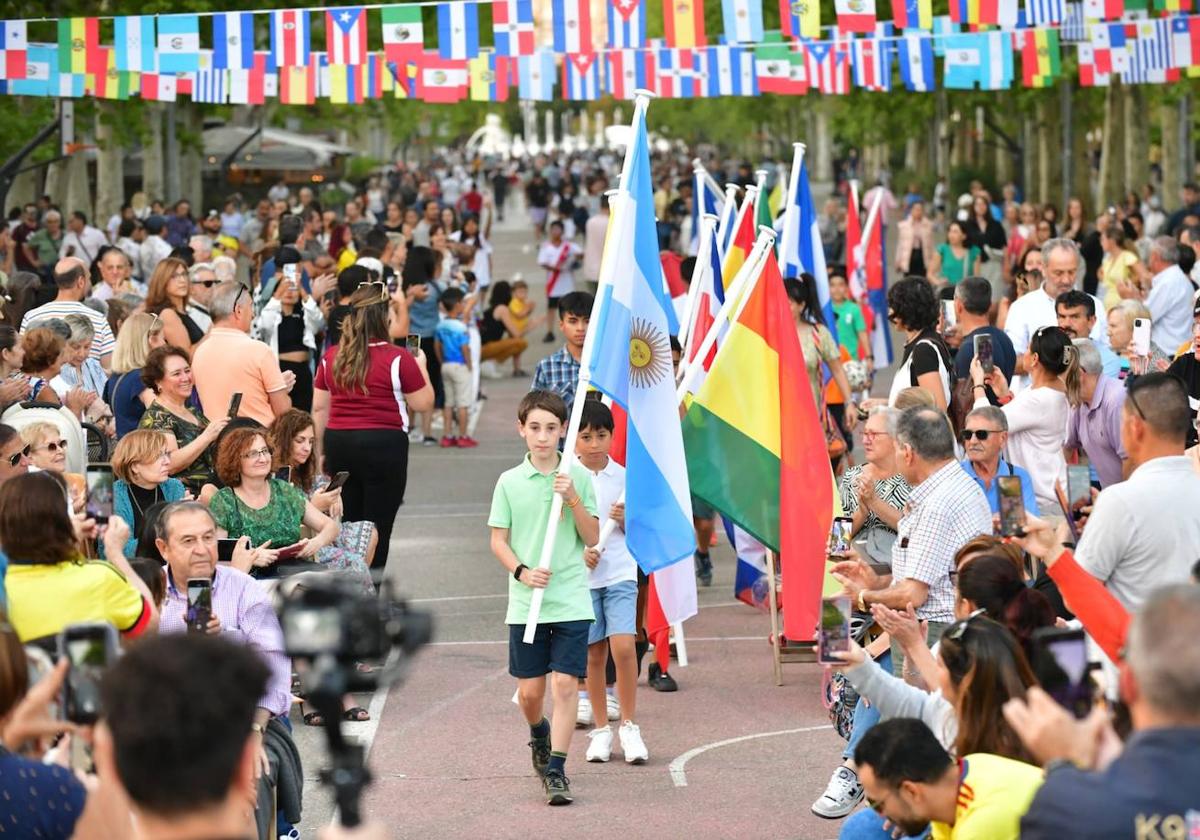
(167, 297)
(142, 464)
(48, 453)
(125, 392)
(1120, 338)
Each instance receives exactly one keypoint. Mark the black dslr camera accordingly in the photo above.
(329, 627)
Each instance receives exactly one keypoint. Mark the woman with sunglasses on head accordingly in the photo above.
(365, 388)
(167, 297)
(1037, 416)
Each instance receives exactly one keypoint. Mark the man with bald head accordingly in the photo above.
(71, 278)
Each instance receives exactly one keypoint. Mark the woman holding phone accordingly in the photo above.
(167, 297)
(289, 325)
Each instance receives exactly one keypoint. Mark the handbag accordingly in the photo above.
(835, 444)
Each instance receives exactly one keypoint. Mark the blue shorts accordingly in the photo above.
(560, 647)
(615, 607)
(702, 509)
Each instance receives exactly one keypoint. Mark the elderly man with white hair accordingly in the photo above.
(1169, 298)
(202, 278)
(202, 248)
(1095, 424)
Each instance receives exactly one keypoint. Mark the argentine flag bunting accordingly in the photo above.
(631, 363)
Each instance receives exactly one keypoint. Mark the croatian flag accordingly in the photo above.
(572, 26)
(916, 63)
(743, 21)
(535, 76)
(178, 43)
(233, 40)
(512, 27)
(800, 241)
(631, 363)
(626, 24)
(581, 76)
(290, 44)
(458, 30)
(872, 64)
(346, 36)
(133, 41)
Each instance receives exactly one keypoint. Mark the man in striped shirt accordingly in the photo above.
(71, 277)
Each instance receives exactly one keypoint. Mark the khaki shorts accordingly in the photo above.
(456, 381)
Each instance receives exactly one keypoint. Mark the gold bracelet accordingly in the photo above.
(572, 505)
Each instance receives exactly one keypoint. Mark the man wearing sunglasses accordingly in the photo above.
(202, 280)
(985, 431)
(14, 454)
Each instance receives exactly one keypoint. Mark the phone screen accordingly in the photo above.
(290, 274)
(235, 404)
(983, 352)
(413, 343)
(1061, 664)
(839, 534)
(337, 481)
(99, 492)
(1079, 489)
(834, 636)
(225, 550)
(949, 321)
(199, 609)
(1012, 505)
(87, 649)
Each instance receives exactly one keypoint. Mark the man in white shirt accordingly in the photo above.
(154, 248)
(558, 256)
(1170, 296)
(71, 277)
(1143, 532)
(1060, 264)
(82, 240)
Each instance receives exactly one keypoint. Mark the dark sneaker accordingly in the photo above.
(541, 754)
(558, 789)
(660, 681)
(704, 568)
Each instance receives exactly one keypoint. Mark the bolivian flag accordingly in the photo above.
(1040, 58)
(756, 450)
(79, 45)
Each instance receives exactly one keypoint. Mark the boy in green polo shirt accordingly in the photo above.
(520, 504)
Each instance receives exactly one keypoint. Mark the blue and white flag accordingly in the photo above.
(535, 76)
(211, 85)
(800, 247)
(41, 62)
(707, 197)
(979, 59)
(233, 40)
(730, 72)
(631, 363)
(1044, 12)
(916, 63)
(178, 43)
(1074, 27)
(743, 21)
(133, 42)
(458, 30)
(626, 24)
(1154, 43)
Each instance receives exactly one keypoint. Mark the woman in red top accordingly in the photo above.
(363, 391)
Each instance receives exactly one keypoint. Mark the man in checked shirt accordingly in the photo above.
(946, 508)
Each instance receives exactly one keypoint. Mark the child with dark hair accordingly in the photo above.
(559, 257)
(559, 372)
(451, 343)
(521, 504)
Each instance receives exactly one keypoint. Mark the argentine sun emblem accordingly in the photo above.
(649, 354)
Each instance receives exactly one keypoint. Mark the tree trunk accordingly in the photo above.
(1081, 172)
(1049, 148)
(26, 187)
(56, 182)
(78, 188)
(823, 153)
(1172, 152)
(152, 154)
(1112, 148)
(110, 170)
(191, 156)
(1137, 139)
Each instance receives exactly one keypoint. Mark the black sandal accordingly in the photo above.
(313, 718)
(356, 714)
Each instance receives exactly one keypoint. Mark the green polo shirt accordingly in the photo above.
(521, 503)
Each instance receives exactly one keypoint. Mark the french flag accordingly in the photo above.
(233, 40)
(346, 36)
(572, 26)
(458, 30)
(512, 27)
(581, 76)
(290, 44)
(626, 24)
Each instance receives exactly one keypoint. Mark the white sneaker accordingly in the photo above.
(600, 744)
(614, 708)
(584, 717)
(489, 370)
(841, 795)
(632, 744)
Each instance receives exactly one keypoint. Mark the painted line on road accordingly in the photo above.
(676, 768)
(690, 640)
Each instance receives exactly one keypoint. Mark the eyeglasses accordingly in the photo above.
(16, 457)
(958, 628)
(52, 447)
(241, 291)
(255, 454)
(982, 434)
(208, 284)
(382, 289)
(178, 274)
(870, 435)
(1132, 400)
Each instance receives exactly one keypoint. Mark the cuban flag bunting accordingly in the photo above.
(581, 76)
(631, 363)
(346, 35)
(626, 24)
(572, 26)
(233, 40)
(291, 44)
(512, 27)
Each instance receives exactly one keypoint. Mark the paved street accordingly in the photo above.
(731, 754)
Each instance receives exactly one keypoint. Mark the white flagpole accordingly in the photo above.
(708, 229)
(728, 212)
(641, 103)
(790, 224)
(735, 300)
(760, 181)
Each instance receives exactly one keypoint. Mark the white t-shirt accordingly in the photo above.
(481, 266)
(84, 245)
(559, 281)
(1037, 429)
(1035, 310)
(616, 563)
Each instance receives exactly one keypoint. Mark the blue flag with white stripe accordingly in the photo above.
(807, 253)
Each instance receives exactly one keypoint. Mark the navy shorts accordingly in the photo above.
(561, 647)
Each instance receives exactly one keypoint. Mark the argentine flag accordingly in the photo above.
(631, 363)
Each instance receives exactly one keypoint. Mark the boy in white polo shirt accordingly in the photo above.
(613, 582)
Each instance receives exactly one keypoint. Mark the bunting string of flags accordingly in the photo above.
(241, 59)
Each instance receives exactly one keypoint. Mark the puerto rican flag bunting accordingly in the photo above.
(233, 40)
(626, 24)
(346, 36)
(512, 27)
(290, 45)
(743, 21)
(856, 16)
(458, 30)
(535, 76)
(581, 76)
(572, 26)
(828, 67)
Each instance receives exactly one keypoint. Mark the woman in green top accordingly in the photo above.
(268, 511)
(190, 436)
(953, 259)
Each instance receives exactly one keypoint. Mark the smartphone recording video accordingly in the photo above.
(413, 343)
(235, 404)
(1012, 505)
(949, 320)
(90, 648)
(199, 608)
(983, 352)
(99, 503)
(1061, 664)
(834, 635)
(839, 534)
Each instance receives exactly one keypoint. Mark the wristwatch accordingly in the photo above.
(517, 572)
(258, 727)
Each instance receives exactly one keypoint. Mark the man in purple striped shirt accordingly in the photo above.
(243, 612)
